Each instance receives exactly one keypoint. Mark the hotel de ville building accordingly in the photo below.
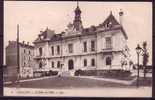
(94, 48)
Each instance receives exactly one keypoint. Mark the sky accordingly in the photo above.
(36, 16)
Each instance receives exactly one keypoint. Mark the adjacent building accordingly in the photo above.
(26, 62)
(98, 47)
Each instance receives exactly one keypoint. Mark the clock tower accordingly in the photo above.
(77, 19)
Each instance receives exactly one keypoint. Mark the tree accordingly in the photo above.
(123, 64)
(145, 57)
(130, 63)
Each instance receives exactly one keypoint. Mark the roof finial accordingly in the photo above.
(121, 12)
(77, 3)
(110, 12)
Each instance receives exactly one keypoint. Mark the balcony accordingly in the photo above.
(109, 49)
(39, 56)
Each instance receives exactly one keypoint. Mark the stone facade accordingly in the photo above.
(26, 55)
(93, 48)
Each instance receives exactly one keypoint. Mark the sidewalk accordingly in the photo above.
(9, 82)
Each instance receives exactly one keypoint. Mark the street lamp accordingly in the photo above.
(145, 57)
(18, 56)
(138, 50)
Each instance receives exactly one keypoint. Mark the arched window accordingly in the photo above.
(70, 48)
(24, 64)
(52, 64)
(92, 45)
(52, 50)
(108, 42)
(58, 49)
(40, 51)
(70, 64)
(108, 61)
(85, 62)
(85, 46)
(93, 62)
(40, 65)
(58, 64)
(24, 51)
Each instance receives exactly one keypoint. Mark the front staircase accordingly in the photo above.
(67, 73)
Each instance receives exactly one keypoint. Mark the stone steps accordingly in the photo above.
(67, 73)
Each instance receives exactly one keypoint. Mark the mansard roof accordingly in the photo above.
(47, 33)
(14, 43)
(26, 45)
(109, 24)
(111, 19)
(56, 37)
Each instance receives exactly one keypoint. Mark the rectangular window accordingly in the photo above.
(70, 48)
(85, 46)
(85, 62)
(24, 64)
(52, 50)
(93, 62)
(52, 64)
(108, 43)
(24, 51)
(40, 65)
(58, 64)
(58, 49)
(24, 58)
(92, 45)
(40, 51)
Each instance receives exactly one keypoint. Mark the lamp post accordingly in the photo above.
(18, 56)
(138, 50)
(145, 57)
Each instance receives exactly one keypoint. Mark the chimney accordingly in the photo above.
(23, 42)
(121, 16)
(9, 42)
(41, 32)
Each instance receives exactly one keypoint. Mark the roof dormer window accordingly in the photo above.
(108, 25)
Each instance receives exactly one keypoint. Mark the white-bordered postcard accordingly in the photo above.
(77, 49)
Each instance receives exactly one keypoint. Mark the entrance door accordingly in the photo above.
(108, 62)
(70, 64)
(40, 65)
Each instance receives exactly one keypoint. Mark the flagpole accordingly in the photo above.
(18, 57)
(77, 3)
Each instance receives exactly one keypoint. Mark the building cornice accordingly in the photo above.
(84, 34)
(76, 55)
